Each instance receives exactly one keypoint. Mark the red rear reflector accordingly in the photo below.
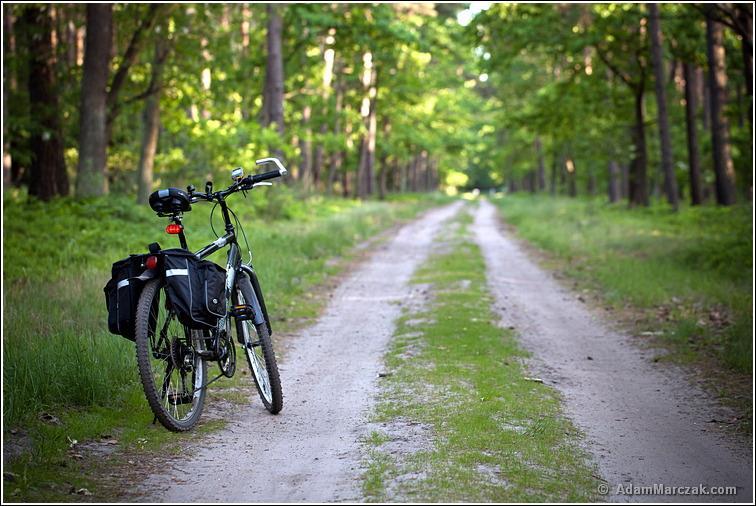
(151, 262)
(173, 228)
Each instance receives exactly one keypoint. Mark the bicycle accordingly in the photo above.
(172, 356)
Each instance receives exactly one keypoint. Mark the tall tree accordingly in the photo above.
(739, 18)
(694, 158)
(90, 180)
(48, 176)
(657, 58)
(367, 147)
(151, 122)
(273, 92)
(724, 170)
(146, 22)
(7, 51)
(624, 53)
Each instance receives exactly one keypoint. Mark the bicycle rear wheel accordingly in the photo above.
(258, 348)
(172, 371)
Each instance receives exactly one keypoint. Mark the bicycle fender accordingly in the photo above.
(261, 312)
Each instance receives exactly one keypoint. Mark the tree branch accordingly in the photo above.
(129, 57)
(622, 75)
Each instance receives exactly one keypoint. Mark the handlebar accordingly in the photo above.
(246, 183)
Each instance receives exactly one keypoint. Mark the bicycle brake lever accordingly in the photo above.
(263, 183)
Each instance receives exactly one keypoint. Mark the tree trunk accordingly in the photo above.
(90, 180)
(554, 172)
(591, 183)
(273, 96)
(694, 159)
(745, 16)
(338, 156)
(48, 169)
(382, 177)
(706, 93)
(541, 175)
(9, 53)
(638, 181)
(151, 124)
(720, 139)
(305, 146)
(614, 182)
(571, 177)
(668, 169)
(368, 111)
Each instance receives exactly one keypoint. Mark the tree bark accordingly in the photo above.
(151, 124)
(48, 177)
(668, 169)
(638, 180)
(93, 140)
(273, 96)
(694, 159)
(720, 139)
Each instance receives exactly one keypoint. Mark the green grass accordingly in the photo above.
(688, 273)
(58, 356)
(481, 431)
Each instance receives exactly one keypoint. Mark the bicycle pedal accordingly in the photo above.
(243, 312)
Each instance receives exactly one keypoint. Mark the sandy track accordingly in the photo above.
(310, 452)
(645, 423)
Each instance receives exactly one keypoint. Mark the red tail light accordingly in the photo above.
(174, 228)
(151, 262)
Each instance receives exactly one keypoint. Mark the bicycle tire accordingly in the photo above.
(260, 354)
(180, 349)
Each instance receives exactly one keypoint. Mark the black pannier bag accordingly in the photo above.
(122, 295)
(196, 288)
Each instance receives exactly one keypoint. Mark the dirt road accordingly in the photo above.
(645, 424)
(310, 452)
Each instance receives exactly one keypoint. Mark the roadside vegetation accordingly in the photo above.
(67, 379)
(458, 419)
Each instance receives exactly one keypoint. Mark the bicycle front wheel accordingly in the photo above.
(258, 348)
(172, 371)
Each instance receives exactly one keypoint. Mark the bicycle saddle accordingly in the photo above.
(170, 201)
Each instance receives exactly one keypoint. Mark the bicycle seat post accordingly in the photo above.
(176, 218)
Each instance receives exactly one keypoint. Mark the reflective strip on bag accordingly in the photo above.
(122, 283)
(177, 272)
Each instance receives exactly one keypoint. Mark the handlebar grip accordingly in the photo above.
(281, 169)
(266, 175)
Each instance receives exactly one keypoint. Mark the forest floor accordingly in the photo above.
(621, 418)
(446, 365)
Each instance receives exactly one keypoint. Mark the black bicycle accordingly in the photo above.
(173, 355)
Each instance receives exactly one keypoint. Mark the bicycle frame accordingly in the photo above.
(233, 265)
